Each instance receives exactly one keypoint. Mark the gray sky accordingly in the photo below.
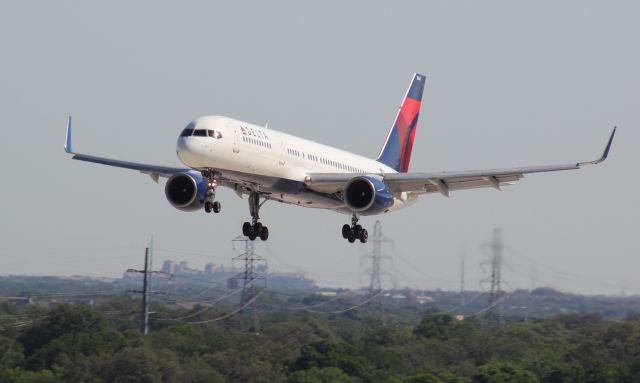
(508, 84)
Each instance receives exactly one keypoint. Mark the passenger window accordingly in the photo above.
(186, 132)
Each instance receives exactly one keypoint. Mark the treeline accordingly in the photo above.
(84, 344)
(542, 302)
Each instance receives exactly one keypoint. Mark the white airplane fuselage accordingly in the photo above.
(278, 162)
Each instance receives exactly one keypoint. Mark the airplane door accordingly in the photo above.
(283, 157)
(236, 139)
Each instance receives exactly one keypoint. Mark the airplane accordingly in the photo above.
(267, 165)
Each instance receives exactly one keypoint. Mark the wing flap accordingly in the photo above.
(470, 183)
(460, 180)
(441, 182)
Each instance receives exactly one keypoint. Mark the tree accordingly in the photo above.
(321, 375)
(332, 353)
(503, 372)
(69, 334)
(132, 365)
(423, 378)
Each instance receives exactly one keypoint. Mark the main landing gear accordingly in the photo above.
(255, 229)
(355, 231)
(209, 198)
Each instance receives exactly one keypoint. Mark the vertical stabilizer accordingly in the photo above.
(396, 152)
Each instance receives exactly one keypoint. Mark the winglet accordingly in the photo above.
(67, 142)
(605, 153)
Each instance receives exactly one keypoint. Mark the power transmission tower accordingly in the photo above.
(375, 272)
(494, 314)
(255, 271)
(146, 278)
(463, 259)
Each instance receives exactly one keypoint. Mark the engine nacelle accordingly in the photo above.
(367, 195)
(186, 191)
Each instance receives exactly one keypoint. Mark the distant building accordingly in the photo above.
(20, 301)
(209, 268)
(169, 267)
(422, 299)
(183, 268)
(229, 276)
(293, 281)
(327, 293)
(73, 301)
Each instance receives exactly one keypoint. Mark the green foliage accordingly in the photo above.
(435, 326)
(81, 344)
(21, 376)
(423, 378)
(67, 337)
(321, 375)
(503, 372)
(332, 353)
(132, 365)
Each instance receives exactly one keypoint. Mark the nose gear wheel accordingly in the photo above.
(209, 198)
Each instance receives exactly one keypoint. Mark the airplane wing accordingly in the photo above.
(444, 182)
(152, 170)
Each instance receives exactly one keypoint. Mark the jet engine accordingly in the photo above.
(186, 191)
(367, 195)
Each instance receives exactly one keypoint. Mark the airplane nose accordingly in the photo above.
(184, 151)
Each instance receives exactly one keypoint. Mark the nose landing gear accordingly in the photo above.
(214, 206)
(355, 231)
(255, 229)
(209, 198)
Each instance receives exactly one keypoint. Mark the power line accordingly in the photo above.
(206, 308)
(234, 312)
(495, 304)
(364, 302)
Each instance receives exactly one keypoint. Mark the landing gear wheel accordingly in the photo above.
(255, 229)
(355, 231)
(364, 236)
(358, 230)
(212, 182)
(246, 229)
(345, 231)
(264, 233)
(253, 234)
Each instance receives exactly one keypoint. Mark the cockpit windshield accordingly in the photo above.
(201, 133)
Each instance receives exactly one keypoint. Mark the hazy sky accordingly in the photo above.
(509, 83)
